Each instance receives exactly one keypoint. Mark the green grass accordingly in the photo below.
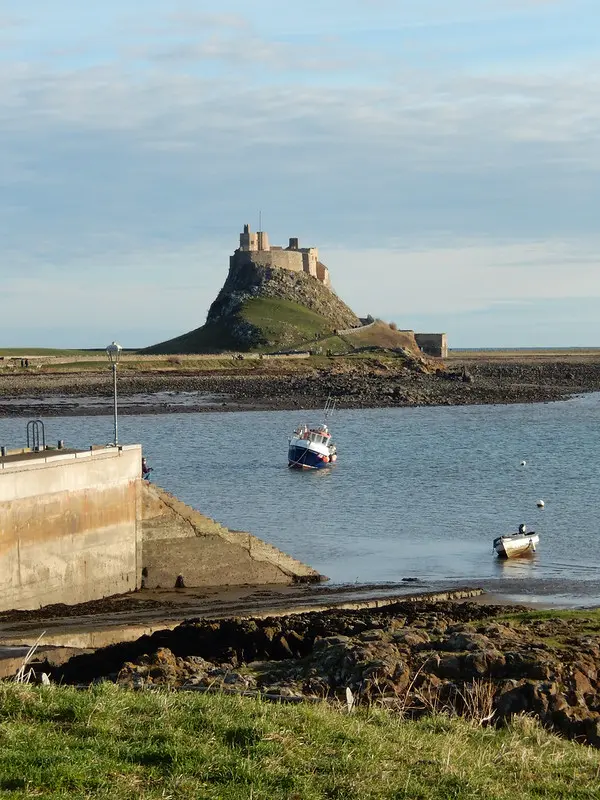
(109, 743)
(209, 338)
(333, 344)
(582, 622)
(38, 351)
(283, 321)
(578, 615)
(278, 324)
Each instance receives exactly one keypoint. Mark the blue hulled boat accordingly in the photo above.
(311, 447)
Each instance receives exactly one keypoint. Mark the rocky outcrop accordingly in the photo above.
(249, 280)
(411, 657)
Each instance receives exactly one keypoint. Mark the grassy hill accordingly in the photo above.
(261, 323)
(267, 309)
(279, 324)
(378, 335)
(264, 308)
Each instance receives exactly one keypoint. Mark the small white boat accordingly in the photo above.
(517, 544)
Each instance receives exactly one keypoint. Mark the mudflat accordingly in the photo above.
(83, 385)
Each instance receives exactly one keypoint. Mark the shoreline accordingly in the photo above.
(373, 382)
(413, 654)
(99, 623)
(233, 407)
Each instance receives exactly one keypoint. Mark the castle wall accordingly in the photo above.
(323, 274)
(433, 344)
(255, 247)
(309, 265)
(248, 240)
(263, 240)
(283, 259)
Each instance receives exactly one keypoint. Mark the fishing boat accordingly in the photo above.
(517, 544)
(310, 447)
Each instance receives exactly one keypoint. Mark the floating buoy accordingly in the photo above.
(540, 504)
(523, 463)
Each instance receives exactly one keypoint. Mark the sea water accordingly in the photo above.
(417, 495)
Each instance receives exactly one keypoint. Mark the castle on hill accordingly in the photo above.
(255, 248)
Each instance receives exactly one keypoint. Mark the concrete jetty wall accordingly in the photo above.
(181, 543)
(82, 525)
(69, 526)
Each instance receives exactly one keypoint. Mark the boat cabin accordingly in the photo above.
(318, 437)
(315, 435)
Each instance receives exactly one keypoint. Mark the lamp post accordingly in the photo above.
(113, 351)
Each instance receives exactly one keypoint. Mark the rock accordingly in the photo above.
(411, 655)
(516, 700)
(490, 663)
(465, 640)
(582, 686)
(529, 665)
(376, 635)
(411, 637)
(449, 666)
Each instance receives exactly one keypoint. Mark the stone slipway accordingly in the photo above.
(181, 547)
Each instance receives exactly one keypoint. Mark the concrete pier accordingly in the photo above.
(69, 526)
(79, 526)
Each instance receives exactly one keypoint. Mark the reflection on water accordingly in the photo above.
(522, 567)
(417, 493)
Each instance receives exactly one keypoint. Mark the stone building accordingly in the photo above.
(256, 248)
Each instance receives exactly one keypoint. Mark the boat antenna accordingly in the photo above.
(329, 406)
(260, 220)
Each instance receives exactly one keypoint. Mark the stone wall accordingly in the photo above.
(283, 259)
(293, 260)
(323, 274)
(69, 526)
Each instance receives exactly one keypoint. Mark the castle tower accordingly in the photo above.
(263, 240)
(249, 240)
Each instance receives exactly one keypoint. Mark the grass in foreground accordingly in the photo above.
(110, 743)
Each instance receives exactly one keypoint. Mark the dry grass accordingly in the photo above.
(531, 355)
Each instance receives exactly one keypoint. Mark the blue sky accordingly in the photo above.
(444, 157)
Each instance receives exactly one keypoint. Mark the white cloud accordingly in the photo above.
(471, 277)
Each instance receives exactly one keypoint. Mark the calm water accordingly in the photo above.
(417, 493)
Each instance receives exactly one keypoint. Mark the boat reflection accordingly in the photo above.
(521, 567)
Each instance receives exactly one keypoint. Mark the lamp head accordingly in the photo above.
(113, 351)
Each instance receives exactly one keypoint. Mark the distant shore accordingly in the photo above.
(372, 381)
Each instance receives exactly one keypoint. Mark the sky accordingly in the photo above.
(444, 157)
